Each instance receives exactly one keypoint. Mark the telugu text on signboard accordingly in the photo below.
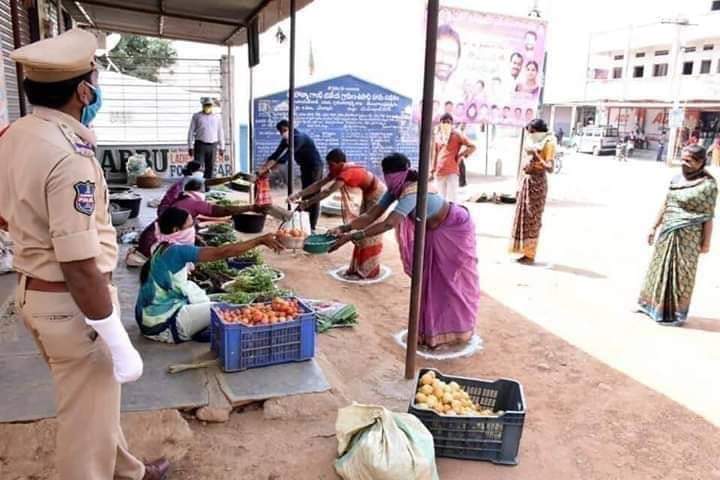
(365, 120)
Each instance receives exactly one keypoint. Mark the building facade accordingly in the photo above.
(638, 75)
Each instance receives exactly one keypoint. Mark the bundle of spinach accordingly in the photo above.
(210, 276)
(244, 298)
(254, 279)
(226, 202)
(213, 268)
(218, 235)
(253, 256)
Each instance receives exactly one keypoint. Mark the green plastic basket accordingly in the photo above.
(318, 243)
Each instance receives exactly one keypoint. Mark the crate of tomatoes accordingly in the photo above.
(262, 334)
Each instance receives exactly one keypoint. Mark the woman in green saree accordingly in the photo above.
(685, 223)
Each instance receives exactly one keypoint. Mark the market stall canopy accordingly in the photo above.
(222, 22)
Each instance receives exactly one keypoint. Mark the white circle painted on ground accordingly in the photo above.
(475, 344)
(337, 274)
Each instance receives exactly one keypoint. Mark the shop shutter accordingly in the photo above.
(8, 45)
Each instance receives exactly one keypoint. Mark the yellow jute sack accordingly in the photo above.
(377, 444)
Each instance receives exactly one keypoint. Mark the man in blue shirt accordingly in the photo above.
(306, 156)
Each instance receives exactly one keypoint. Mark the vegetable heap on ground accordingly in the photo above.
(211, 276)
(225, 202)
(345, 316)
(218, 235)
(448, 398)
(278, 311)
(253, 256)
(256, 283)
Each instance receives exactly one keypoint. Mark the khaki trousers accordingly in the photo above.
(90, 441)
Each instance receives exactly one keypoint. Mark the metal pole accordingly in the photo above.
(17, 43)
(230, 79)
(291, 104)
(674, 136)
(522, 148)
(421, 207)
(60, 23)
(251, 132)
(487, 147)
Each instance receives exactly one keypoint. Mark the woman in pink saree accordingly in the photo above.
(450, 285)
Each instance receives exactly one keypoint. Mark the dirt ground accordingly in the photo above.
(584, 420)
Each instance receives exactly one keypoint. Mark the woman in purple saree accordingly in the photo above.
(450, 285)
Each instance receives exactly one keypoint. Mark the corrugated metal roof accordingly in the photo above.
(221, 22)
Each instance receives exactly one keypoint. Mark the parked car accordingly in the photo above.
(597, 140)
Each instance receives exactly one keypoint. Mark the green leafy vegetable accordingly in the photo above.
(254, 256)
(345, 316)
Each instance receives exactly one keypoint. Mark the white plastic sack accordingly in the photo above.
(300, 220)
(377, 444)
(6, 253)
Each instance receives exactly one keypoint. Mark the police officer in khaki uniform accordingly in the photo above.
(55, 201)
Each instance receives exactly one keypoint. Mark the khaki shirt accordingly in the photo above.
(53, 195)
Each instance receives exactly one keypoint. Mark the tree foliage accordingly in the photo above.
(142, 57)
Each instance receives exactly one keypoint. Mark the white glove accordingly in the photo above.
(127, 364)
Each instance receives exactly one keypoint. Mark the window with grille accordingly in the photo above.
(705, 66)
(640, 55)
(661, 53)
(638, 72)
(715, 5)
(708, 47)
(617, 72)
(660, 70)
(618, 57)
(687, 68)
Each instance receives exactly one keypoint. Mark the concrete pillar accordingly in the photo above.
(573, 118)
(552, 118)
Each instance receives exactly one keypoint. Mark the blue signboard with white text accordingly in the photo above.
(365, 120)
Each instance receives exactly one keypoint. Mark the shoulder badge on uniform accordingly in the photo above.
(81, 147)
(85, 197)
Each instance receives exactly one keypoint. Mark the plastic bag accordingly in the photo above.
(377, 444)
(6, 253)
(300, 221)
(136, 165)
(263, 196)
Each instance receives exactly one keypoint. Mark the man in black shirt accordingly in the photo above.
(306, 156)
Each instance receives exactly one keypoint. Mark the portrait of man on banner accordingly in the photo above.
(488, 67)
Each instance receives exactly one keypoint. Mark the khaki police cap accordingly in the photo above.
(59, 58)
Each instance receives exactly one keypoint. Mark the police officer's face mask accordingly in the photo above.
(90, 111)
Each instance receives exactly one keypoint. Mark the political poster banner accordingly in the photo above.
(488, 68)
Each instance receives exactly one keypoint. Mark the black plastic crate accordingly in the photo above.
(494, 439)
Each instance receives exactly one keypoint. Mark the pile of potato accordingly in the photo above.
(448, 398)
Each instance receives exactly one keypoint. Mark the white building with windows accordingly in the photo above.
(636, 74)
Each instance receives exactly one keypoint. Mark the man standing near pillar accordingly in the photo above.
(55, 200)
(306, 156)
(206, 137)
(450, 149)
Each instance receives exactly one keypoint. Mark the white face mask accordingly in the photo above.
(198, 174)
(537, 137)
